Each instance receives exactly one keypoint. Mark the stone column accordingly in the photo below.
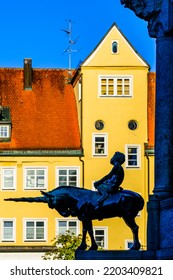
(159, 14)
(164, 117)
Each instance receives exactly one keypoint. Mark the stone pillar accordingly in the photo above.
(164, 117)
(159, 14)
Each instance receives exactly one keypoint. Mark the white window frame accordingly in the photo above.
(105, 136)
(2, 170)
(138, 154)
(13, 239)
(36, 168)
(105, 229)
(67, 229)
(4, 134)
(115, 78)
(68, 168)
(35, 220)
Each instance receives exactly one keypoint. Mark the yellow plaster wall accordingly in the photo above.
(22, 210)
(116, 112)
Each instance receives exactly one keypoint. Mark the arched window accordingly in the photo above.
(114, 47)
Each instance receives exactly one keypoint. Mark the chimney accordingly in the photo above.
(27, 73)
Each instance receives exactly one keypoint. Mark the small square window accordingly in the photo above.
(133, 156)
(100, 144)
(35, 230)
(100, 235)
(8, 230)
(5, 124)
(4, 131)
(8, 178)
(35, 178)
(67, 225)
(68, 176)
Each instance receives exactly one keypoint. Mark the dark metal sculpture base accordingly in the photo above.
(114, 255)
(125, 255)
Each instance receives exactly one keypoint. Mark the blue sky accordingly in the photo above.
(33, 29)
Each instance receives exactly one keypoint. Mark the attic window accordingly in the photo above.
(114, 47)
(5, 124)
(4, 131)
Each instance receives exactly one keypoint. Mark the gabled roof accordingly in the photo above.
(114, 28)
(43, 118)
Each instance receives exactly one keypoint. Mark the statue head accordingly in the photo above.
(51, 199)
(142, 8)
(118, 157)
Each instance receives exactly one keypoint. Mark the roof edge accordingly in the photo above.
(63, 153)
(116, 26)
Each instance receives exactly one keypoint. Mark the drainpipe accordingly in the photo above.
(81, 131)
(83, 169)
(148, 169)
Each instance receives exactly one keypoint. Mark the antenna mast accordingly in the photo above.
(71, 42)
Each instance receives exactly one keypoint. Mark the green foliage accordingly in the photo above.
(64, 247)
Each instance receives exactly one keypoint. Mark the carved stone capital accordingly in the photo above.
(158, 13)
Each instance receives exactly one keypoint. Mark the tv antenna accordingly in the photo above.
(71, 43)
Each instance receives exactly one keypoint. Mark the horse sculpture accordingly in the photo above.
(81, 203)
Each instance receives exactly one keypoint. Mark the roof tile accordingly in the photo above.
(44, 117)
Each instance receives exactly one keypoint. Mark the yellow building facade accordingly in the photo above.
(40, 149)
(110, 89)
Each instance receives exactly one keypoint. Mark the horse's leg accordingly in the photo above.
(94, 245)
(83, 244)
(130, 221)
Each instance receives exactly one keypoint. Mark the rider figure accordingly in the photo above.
(110, 183)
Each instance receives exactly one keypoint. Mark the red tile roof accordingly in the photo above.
(151, 108)
(44, 117)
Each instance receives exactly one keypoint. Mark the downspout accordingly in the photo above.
(83, 169)
(81, 126)
(148, 169)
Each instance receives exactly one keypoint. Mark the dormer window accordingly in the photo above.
(114, 47)
(5, 124)
(4, 131)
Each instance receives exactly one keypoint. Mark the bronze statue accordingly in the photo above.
(110, 183)
(80, 202)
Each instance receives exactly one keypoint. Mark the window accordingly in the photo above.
(35, 230)
(99, 125)
(100, 235)
(132, 156)
(4, 131)
(8, 230)
(128, 244)
(64, 225)
(132, 125)
(114, 47)
(99, 144)
(5, 124)
(35, 178)
(115, 86)
(8, 178)
(68, 176)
